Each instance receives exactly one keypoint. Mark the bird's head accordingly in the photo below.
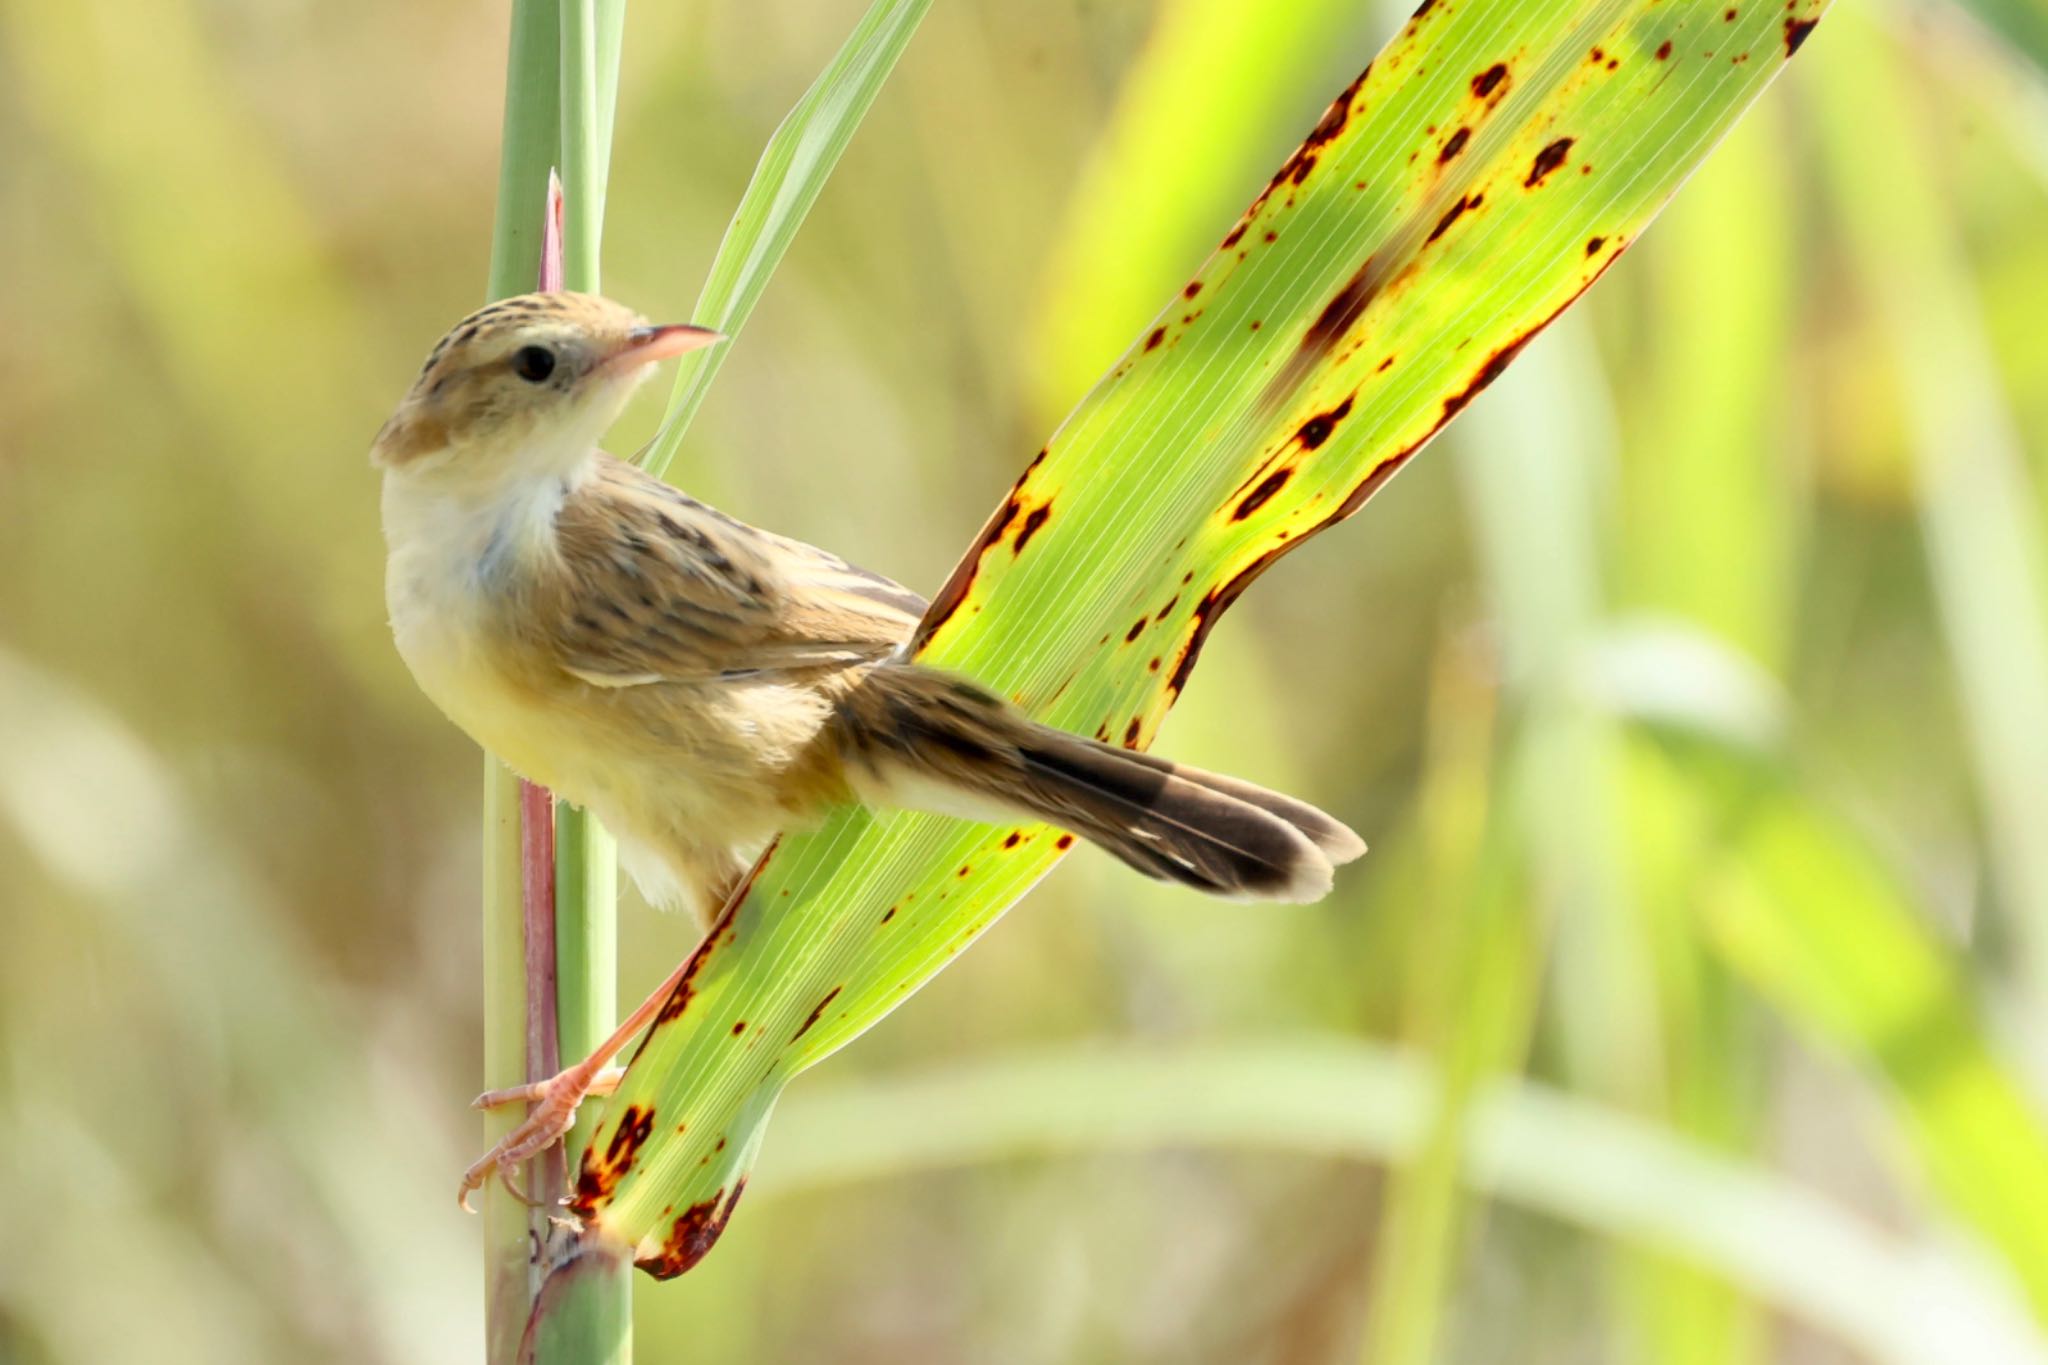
(525, 385)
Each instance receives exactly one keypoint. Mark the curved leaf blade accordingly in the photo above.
(1490, 164)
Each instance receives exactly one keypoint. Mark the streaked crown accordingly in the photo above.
(535, 375)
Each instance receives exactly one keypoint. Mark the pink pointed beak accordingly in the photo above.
(645, 345)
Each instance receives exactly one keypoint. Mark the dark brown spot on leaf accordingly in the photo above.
(1443, 224)
(1488, 80)
(1664, 50)
(1064, 842)
(1131, 733)
(601, 1172)
(1137, 629)
(1453, 145)
(961, 581)
(1261, 495)
(721, 934)
(1593, 245)
(1496, 365)
(1341, 311)
(1037, 517)
(1158, 335)
(692, 1236)
(1795, 33)
(1317, 429)
(1548, 160)
(816, 1011)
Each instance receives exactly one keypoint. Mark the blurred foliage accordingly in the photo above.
(1682, 692)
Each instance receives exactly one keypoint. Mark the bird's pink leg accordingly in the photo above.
(556, 1099)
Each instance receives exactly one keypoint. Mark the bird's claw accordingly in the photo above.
(555, 1102)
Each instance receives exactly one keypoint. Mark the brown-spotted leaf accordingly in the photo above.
(1491, 163)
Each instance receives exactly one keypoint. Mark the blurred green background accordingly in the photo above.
(1693, 693)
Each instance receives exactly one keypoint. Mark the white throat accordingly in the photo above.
(456, 545)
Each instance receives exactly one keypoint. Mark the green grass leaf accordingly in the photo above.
(1492, 162)
(792, 171)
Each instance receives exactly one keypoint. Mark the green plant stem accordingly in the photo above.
(585, 1311)
(561, 80)
(531, 136)
(583, 163)
(508, 1224)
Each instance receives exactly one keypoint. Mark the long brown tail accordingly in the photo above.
(927, 739)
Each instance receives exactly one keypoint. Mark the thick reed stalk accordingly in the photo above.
(532, 133)
(549, 872)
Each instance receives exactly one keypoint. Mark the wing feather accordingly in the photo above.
(661, 588)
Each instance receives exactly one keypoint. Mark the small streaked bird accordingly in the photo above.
(699, 684)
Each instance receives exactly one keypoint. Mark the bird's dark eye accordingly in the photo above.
(533, 363)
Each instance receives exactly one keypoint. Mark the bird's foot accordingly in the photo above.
(555, 1102)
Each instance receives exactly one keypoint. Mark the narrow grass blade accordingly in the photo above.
(1451, 203)
(793, 169)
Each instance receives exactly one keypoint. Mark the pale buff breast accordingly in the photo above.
(689, 775)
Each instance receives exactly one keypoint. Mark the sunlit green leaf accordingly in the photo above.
(1494, 160)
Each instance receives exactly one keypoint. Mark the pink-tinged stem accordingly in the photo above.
(537, 840)
(551, 238)
(537, 900)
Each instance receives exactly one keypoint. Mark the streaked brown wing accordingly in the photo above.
(661, 588)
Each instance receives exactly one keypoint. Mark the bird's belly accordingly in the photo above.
(716, 765)
(441, 622)
(457, 676)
